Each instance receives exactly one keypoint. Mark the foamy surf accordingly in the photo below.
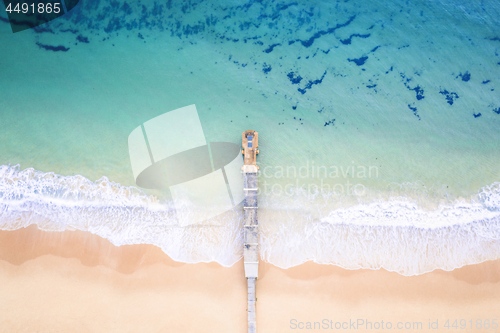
(394, 234)
(123, 215)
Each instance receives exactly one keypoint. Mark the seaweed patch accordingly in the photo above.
(40, 30)
(283, 7)
(311, 83)
(450, 96)
(497, 110)
(348, 41)
(359, 61)
(266, 68)
(53, 48)
(476, 115)
(320, 33)
(418, 90)
(330, 122)
(82, 39)
(73, 31)
(271, 48)
(465, 77)
(294, 79)
(414, 109)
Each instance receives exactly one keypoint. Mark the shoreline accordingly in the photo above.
(79, 282)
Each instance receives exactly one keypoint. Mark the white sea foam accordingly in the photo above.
(406, 250)
(400, 211)
(123, 215)
(394, 234)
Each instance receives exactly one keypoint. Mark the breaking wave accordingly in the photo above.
(394, 234)
(123, 215)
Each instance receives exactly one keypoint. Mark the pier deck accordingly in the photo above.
(251, 224)
(250, 144)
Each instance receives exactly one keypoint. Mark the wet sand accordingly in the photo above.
(74, 281)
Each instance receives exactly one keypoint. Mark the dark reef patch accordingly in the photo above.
(271, 47)
(270, 25)
(39, 29)
(330, 122)
(359, 61)
(497, 110)
(266, 68)
(53, 48)
(486, 81)
(320, 33)
(414, 109)
(249, 38)
(418, 90)
(477, 115)
(196, 29)
(311, 83)
(82, 39)
(114, 24)
(348, 41)
(126, 9)
(450, 96)
(283, 7)
(73, 31)
(294, 79)
(465, 77)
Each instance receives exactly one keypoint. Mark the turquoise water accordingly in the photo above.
(378, 125)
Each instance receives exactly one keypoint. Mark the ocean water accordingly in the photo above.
(378, 126)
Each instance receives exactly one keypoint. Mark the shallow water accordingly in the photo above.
(378, 125)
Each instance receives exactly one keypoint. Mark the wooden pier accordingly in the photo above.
(250, 144)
